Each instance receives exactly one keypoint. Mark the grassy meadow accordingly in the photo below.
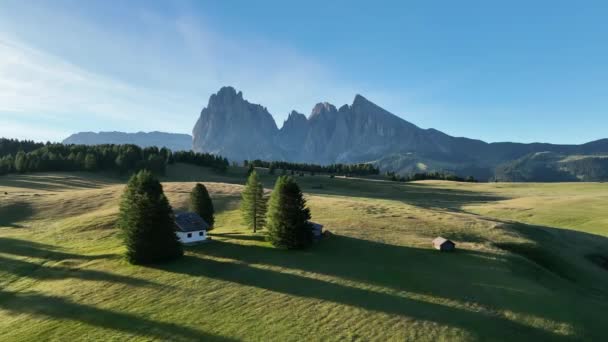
(528, 264)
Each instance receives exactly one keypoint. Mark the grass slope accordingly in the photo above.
(515, 276)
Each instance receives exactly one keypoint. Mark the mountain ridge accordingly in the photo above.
(173, 141)
(360, 132)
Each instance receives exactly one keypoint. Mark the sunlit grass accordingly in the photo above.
(62, 275)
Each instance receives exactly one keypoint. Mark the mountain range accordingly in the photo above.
(173, 141)
(364, 132)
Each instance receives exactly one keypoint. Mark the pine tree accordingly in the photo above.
(253, 205)
(21, 162)
(288, 216)
(146, 221)
(90, 162)
(201, 203)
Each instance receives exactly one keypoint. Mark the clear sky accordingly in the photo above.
(494, 70)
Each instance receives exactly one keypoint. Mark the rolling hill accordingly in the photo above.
(526, 267)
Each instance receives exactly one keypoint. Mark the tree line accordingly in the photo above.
(428, 176)
(362, 169)
(21, 157)
(213, 161)
(12, 146)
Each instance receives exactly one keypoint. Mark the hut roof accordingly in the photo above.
(440, 241)
(190, 222)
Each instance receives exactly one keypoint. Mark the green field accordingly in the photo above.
(523, 269)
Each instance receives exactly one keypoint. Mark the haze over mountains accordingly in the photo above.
(363, 132)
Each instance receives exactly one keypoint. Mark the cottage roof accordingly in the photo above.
(190, 222)
(438, 241)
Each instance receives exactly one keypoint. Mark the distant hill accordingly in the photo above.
(173, 141)
(554, 167)
(364, 132)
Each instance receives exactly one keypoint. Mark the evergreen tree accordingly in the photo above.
(90, 162)
(146, 221)
(288, 216)
(21, 162)
(250, 169)
(201, 203)
(253, 205)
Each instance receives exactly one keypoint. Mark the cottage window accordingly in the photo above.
(189, 235)
(201, 233)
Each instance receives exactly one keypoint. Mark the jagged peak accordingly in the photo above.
(295, 114)
(228, 93)
(344, 108)
(323, 107)
(360, 100)
(294, 117)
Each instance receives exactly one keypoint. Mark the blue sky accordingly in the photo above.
(494, 70)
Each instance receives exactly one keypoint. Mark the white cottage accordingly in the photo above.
(190, 228)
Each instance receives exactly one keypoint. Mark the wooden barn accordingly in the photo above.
(190, 228)
(443, 244)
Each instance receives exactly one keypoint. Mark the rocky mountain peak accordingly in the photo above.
(361, 132)
(361, 103)
(226, 95)
(295, 116)
(228, 121)
(323, 108)
(295, 119)
(359, 99)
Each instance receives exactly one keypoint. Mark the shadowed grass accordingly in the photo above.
(375, 278)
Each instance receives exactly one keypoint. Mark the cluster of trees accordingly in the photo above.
(216, 162)
(22, 156)
(363, 169)
(12, 146)
(147, 222)
(429, 175)
(59, 157)
(285, 215)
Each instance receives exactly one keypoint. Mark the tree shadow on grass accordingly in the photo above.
(416, 194)
(485, 325)
(25, 269)
(59, 308)
(479, 278)
(240, 236)
(12, 213)
(33, 249)
(55, 181)
(29, 249)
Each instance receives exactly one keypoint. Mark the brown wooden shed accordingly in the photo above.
(443, 244)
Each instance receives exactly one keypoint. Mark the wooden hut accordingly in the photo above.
(443, 244)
